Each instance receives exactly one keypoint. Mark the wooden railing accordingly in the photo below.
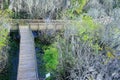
(36, 24)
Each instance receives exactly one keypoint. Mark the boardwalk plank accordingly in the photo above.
(27, 69)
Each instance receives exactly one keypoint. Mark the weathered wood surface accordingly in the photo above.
(39, 25)
(27, 69)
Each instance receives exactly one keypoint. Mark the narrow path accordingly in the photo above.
(27, 69)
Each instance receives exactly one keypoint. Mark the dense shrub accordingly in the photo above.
(51, 59)
(85, 52)
(75, 9)
(36, 11)
(4, 30)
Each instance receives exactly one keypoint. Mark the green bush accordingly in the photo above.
(3, 37)
(51, 59)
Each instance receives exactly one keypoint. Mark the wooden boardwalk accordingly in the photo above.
(27, 69)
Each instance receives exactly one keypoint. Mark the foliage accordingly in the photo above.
(47, 8)
(75, 10)
(79, 4)
(32, 9)
(4, 27)
(6, 4)
(87, 49)
(51, 59)
(3, 37)
(83, 53)
(10, 70)
(103, 10)
(46, 37)
(94, 48)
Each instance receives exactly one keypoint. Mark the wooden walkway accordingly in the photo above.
(27, 69)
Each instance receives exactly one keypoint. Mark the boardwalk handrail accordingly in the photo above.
(103, 20)
(38, 23)
(34, 21)
(15, 22)
(41, 21)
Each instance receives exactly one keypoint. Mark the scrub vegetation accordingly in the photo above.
(87, 48)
